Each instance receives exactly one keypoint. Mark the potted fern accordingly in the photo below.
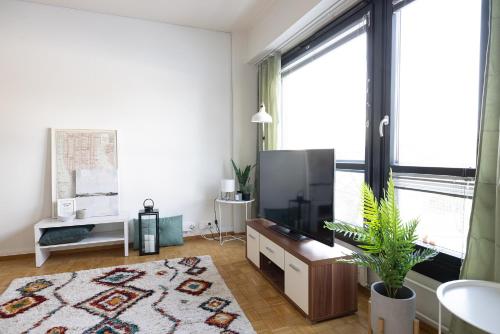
(243, 176)
(388, 247)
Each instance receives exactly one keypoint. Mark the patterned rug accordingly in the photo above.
(173, 296)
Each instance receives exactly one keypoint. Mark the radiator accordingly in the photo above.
(363, 276)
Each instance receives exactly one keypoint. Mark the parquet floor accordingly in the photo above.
(266, 309)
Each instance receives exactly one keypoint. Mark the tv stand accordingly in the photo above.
(287, 232)
(305, 271)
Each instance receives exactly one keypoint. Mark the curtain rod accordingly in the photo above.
(312, 25)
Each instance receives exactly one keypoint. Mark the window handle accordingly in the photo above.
(384, 121)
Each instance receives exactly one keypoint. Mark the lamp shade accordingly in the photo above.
(262, 116)
(227, 185)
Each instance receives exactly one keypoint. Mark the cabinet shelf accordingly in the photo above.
(274, 274)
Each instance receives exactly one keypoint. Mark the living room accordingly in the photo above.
(249, 166)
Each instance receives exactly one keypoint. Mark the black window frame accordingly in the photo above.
(444, 267)
(353, 15)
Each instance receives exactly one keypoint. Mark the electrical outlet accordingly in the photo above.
(204, 225)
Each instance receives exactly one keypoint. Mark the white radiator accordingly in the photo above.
(363, 276)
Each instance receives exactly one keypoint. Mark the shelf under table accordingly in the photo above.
(114, 231)
(92, 238)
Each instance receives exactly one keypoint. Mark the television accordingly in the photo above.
(296, 192)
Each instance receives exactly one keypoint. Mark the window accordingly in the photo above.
(324, 106)
(419, 67)
(435, 116)
(348, 196)
(324, 98)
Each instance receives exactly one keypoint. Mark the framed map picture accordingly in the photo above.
(74, 150)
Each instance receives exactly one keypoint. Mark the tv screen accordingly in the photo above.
(296, 191)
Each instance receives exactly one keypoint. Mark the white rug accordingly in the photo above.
(185, 295)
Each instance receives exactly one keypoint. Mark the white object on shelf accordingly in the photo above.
(227, 185)
(475, 302)
(42, 253)
(231, 202)
(66, 207)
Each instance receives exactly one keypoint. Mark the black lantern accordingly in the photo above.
(149, 230)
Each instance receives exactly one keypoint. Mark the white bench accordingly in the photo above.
(95, 237)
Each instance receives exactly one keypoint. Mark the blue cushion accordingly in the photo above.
(65, 235)
(170, 230)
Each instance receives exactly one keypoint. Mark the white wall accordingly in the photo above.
(279, 18)
(244, 76)
(165, 88)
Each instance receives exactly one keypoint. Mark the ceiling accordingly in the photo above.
(219, 15)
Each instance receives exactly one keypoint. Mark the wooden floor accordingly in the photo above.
(266, 309)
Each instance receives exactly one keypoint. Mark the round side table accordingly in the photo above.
(227, 237)
(475, 302)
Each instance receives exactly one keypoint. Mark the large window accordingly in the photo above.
(324, 98)
(435, 116)
(420, 68)
(324, 106)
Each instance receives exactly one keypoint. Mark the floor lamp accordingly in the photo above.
(262, 117)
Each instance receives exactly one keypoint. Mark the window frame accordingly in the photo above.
(380, 90)
(444, 267)
(353, 15)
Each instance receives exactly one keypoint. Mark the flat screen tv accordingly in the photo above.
(296, 192)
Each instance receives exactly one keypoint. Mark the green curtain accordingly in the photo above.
(269, 79)
(269, 95)
(482, 259)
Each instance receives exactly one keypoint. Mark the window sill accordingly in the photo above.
(443, 268)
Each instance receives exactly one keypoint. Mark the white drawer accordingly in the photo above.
(297, 281)
(253, 253)
(274, 252)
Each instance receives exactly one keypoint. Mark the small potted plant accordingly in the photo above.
(388, 247)
(243, 176)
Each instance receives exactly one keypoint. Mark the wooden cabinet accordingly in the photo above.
(253, 253)
(297, 281)
(306, 271)
(272, 251)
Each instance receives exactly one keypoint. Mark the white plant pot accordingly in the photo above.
(398, 313)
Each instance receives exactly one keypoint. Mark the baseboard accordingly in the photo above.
(9, 255)
(19, 252)
(428, 328)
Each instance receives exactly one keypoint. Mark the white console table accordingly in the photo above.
(42, 253)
